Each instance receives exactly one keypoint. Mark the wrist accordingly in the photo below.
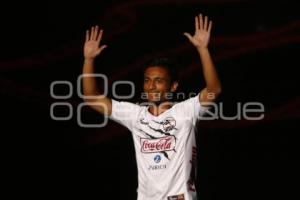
(202, 49)
(88, 60)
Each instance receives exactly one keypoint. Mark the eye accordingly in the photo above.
(159, 80)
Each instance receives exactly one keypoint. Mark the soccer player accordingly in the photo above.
(163, 132)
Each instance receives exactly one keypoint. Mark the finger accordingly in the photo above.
(92, 33)
(196, 24)
(209, 26)
(101, 49)
(205, 23)
(87, 37)
(100, 36)
(188, 36)
(201, 22)
(96, 33)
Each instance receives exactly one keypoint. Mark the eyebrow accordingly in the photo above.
(154, 77)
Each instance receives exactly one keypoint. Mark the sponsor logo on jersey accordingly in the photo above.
(158, 145)
(157, 158)
(157, 167)
(176, 197)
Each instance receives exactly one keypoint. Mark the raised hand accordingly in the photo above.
(92, 42)
(202, 32)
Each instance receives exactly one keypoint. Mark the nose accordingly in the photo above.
(152, 85)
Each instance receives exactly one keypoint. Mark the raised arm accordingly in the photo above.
(92, 49)
(200, 40)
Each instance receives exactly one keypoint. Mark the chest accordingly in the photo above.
(167, 124)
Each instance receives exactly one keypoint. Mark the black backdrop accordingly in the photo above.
(255, 48)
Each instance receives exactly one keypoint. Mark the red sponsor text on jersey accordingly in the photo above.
(157, 145)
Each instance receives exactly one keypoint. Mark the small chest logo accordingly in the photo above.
(169, 124)
(157, 158)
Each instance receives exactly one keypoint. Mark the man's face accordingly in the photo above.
(157, 83)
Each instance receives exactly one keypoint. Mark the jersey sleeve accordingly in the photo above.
(192, 108)
(124, 113)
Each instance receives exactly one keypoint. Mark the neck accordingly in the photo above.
(158, 108)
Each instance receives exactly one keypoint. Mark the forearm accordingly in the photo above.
(209, 72)
(100, 103)
(89, 82)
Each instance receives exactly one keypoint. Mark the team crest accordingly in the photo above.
(169, 124)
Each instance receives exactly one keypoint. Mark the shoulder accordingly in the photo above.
(193, 101)
(126, 107)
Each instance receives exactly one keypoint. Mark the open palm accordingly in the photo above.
(92, 42)
(202, 32)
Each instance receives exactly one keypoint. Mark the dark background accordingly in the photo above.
(255, 46)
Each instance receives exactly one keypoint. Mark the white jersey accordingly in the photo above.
(165, 148)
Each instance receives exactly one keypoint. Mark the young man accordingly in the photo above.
(163, 133)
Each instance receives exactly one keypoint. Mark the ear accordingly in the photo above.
(174, 86)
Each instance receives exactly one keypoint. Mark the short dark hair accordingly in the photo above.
(165, 63)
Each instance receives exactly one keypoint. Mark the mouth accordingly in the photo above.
(154, 96)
